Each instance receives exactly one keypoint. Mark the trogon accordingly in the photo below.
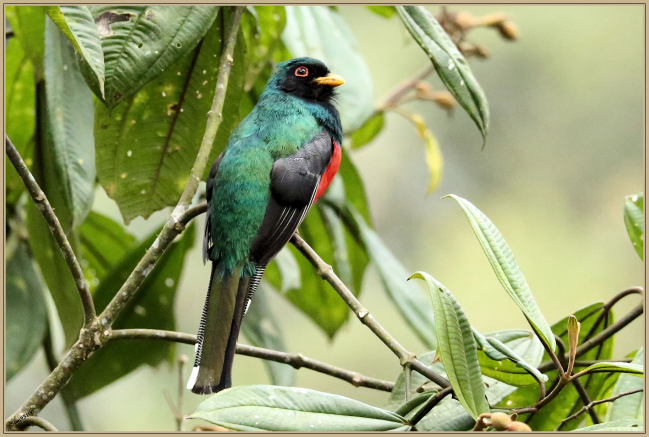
(278, 161)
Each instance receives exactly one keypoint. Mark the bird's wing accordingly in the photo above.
(207, 237)
(293, 187)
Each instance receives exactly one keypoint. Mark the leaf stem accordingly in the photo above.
(57, 231)
(295, 360)
(325, 271)
(592, 404)
(429, 405)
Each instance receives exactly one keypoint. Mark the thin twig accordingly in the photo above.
(36, 421)
(408, 376)
(96, 334)
(429, 405)
(608, 305)
(592, 404)
(583, 394)
(57, 231)
(295, 360)
(394, 98)
(325, 271)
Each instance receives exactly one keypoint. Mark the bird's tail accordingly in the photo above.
(218, 332)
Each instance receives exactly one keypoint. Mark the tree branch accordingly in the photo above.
(57, 231)
(326, 272)
(295, 360)
(583, 394)
(607, 307)
(592, 404)
(96, 334)
(36, 421)
(429, 405)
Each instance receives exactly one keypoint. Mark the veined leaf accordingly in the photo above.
(319, 32)
(384, 11)
(631, 406)
(147, 146)
(500, 362)
(457, 348)
(152, 307)
(28, 25)
(450, 64)
(69, 128)
(630, 368)
(271, 408)
(368, 131)
(628, 425)
(26, 312)
(262, 329)
(79, 27)
(634, 221)
(141, 42)
(504, 264)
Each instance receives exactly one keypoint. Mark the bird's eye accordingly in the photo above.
(301, 72)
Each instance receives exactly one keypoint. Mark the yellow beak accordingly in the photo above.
(330, 79)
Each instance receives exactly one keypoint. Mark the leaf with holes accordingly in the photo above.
(451, 66)
(504, 265)
(141, 42)
(146, 147)
(152, 307)
(271, 408)
(634, 221)
(79, 27)
(631, 406)
(457, 348)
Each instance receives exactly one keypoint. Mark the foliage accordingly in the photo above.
(116, 98)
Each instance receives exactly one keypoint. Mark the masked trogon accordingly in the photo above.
(278, 161)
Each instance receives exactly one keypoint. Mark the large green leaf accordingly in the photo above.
(451, 66)
(628, 425)
(141, 42)
(147, 146)
(271, 408)
(504, 265)
(368, 131)
(457, 348)
(634, 221)
(319, 32)
(262, 329)
(152, 307)
(26, 313)
(69, 128)
(79, 27)
(631, 406)
(28, 25)
(499, 361)
(103, 243)
(20, 108)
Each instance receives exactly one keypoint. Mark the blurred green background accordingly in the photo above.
(564, 148)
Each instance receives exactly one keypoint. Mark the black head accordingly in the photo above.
(308, 79)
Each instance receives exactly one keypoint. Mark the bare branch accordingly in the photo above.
(57, 231)
(36, 421)
(430, 404)
(295, 360)
(583, 394)
(592, 404)
(326, 272)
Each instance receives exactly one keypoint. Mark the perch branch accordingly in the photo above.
(592, 404)
(295, 360)
(57, 231)
(326, 272)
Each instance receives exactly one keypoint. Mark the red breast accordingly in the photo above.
(330, 171)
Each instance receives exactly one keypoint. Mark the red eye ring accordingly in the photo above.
(301, 72)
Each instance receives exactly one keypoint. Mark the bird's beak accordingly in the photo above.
(330, 79)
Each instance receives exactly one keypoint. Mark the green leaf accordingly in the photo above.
(320, 32)
(384, 11)
(368, 131)
(69, 128)
(147, 146)
(634, 221)
(504, 264)
(452, 68)
(284, 272)
(26, 313)
(628, 425)
(78, 25)
(141, 42)
(28, 25)
(263, 27)
(631, 406)
(633, 369)
(271, 408)
(262, 329)
(500, 362)
(20, 112)
(103, 243)
(457, 348)
(152, 307)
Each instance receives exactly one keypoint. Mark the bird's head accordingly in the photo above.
(307, 78)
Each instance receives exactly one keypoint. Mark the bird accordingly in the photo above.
(278, 161)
